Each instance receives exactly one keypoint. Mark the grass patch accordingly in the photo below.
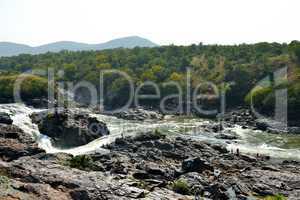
(181, 186)
(159, 134)
(4, 182)
(274, 197)
(3, 172)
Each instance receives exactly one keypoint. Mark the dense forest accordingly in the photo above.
(235, 69)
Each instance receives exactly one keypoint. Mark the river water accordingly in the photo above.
(282, 146)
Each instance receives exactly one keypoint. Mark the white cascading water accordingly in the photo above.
(249, 141)
(282, 146)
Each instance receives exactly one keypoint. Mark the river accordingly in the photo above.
(282, 146)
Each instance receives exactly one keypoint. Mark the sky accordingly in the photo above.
(179, 22)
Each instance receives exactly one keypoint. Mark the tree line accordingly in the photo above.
(234, 68)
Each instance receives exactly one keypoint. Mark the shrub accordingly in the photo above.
(181, 186)
(258, 95)
(4, 182)
(264, 100)
(83, 162)
(294, 48)
(275, 197)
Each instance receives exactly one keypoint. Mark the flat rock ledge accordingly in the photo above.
(148, 166)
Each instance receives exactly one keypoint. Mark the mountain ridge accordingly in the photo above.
(12, 49)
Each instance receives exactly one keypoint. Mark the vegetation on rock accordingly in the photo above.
(275, 197)
(83, 162)
(181, 186)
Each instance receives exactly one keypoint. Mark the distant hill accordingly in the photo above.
(12, 49)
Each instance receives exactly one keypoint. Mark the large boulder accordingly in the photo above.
(70, 129)
(5, 118)
(272, 126)
(14, 143)
(196, 165)
(38, 102)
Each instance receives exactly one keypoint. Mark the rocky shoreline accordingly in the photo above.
(242, 116)
(245, 118)
(147, 166)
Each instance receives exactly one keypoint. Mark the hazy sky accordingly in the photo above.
(37, 22)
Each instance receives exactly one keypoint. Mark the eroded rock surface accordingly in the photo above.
(149, 166)
(14, 143)
(70, 129)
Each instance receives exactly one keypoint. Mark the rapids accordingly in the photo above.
(282, 146)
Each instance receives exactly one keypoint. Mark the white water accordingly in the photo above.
(283, 146)
(279, 146)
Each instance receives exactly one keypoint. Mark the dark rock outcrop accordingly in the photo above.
(242, 117)
(70, 129)
(246, 119)
(137, 114)
(227, 136)
(5, 118)
(195, 165)
(38, 102)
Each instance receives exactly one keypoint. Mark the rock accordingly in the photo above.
(71, 183)
(219, 148)
(5, 118)
(262, 124)
(163, 193)
(226, 136)
(174, 155)
(137, 114)
(14, 143)
(290, 162)
(164, 146)
(155, 169)
(38, 103)
(195, 165)
(241, 188)
(217, 191)
(196, 182)
(148, 136)
(271, 126)
(262, 189)
(240, 116)
(213, 127)
(270, 168)
(294, 130)
(142, 167)
(141, 175)
(70, 129)
(248, 158)
(35, 191)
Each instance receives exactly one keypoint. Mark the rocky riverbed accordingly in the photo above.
(148, 165)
